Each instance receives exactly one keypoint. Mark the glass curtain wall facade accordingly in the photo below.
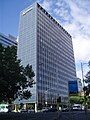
(27, 46)
(7, 40)
(47, 46)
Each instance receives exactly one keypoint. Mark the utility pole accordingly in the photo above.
(84, 87)
(82, 73)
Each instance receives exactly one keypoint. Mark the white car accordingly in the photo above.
(3, 107)
(77, 107)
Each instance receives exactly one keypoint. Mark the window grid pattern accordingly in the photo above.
(56, 65)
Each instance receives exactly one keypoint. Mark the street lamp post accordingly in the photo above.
(82, 73)
(46, 97)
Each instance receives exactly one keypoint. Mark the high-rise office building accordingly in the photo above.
(47, 46)
(7, 40)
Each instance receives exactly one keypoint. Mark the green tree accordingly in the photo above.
(14, 78)
(76, 99)
(87, 88)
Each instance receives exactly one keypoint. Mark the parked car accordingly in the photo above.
(23, 111)
(77, 107)
(44, 109)
(65, 109)
(3, 107)
(50, 110)
(31, 111)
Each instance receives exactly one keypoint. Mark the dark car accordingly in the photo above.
(31, 111)
(23, 111)
(50, 110)
(65, 109)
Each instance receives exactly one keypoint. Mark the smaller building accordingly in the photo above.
(7, 40)
(75, 86)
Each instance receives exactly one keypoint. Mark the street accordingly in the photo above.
(73, 115)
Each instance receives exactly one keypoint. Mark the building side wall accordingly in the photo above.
(27, 42)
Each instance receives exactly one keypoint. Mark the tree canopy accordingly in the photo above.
(14, 78)
(76, 99)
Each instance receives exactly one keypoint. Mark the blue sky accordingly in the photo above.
(9, 14)
(73, 15)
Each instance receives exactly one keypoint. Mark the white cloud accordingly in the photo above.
(81, 48)
(47, 5)
(80, 31)
(78, 13)
(62, 11)
(81, 42)
(79, 28)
